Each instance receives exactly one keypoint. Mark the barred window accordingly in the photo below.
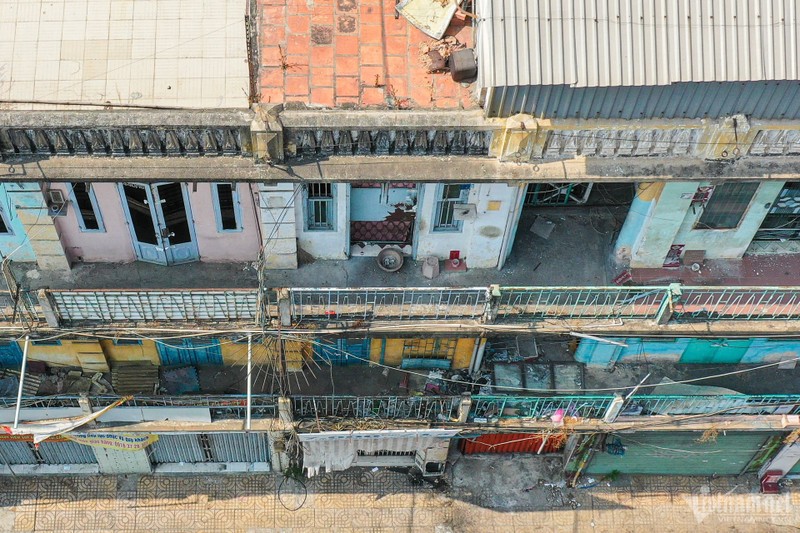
(449, 196)
(320, 212)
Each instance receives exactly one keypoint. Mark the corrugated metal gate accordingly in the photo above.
(342, 351)
(17, 453)
(10, 354)
(679, 453)
(239, 447)
(190, 352)
(210, 448)
(513, 443)
(65, 452)
(177, 449)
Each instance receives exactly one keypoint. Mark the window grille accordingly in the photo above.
(429, 348)
(449, 196)
(319, 206)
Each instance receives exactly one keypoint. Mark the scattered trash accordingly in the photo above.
(430, 17)
(443, 49)
(542, 227)
(374, 469)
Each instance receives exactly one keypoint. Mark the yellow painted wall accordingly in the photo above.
(65, 354)
(464, 350)
(130, 353)
(235, 353)
(393, 354)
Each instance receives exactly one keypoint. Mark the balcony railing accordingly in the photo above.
(441, 409)
(487, 305)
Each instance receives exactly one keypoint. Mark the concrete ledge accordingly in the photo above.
(211, 468)
(126, 118)
(49, 470)
(392, 119)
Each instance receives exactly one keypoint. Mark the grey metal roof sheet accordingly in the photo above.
(607, 43)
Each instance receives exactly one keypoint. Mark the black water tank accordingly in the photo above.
(463, 66)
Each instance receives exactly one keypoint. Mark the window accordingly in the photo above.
(5, 227)
(449, 196)
(727, 205)
(86, 209)
(227, 207)
(429, 348)
(320, 212)
(47, 342)
(127, 342)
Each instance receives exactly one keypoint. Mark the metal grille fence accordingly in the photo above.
(580, 302)
(383, 407)
(732, 303)
(134, 306)
(364, 304)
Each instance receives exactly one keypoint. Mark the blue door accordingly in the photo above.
(160, 222)
(10, 355)
(189, 352)
(342, 352)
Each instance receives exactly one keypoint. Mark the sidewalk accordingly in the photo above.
(362, 500)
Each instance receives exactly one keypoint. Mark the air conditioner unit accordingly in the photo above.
(56, 203)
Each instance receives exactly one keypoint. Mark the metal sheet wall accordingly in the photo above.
(177, 449)
(17, 453)
(239, 447)
(680, 453)
(512, 443)
(66, 453)
(770, 100)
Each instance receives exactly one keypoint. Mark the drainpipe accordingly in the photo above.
(21, 380)
(249, 380)
(477, 355)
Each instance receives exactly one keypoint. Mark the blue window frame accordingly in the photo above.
(47, 342)
(127, 342)
(320, 207)
(448, 195)
(227, 207)
(87, 211)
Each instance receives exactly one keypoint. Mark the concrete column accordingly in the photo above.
(277, 450)
(285, 414)
(278, 224)
(464, 407)
(635, 221)
(31, 207)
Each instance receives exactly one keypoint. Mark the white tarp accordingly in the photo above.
(337, 450)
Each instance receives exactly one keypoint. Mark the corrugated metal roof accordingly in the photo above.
(757, 99)
(611, 43)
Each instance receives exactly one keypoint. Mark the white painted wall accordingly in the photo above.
(326, 244)
(480, 241)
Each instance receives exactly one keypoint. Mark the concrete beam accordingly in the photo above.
(394, 168)
(126, 118)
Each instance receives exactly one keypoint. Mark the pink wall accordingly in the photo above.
(228, 246)
(113, 245)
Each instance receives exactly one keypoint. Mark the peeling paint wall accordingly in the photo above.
(480, 241)
(16, 242)
(670, 219)
(390, 351)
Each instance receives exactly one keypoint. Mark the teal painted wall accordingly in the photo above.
(672, 219)
(687, 351)
(18, 240)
